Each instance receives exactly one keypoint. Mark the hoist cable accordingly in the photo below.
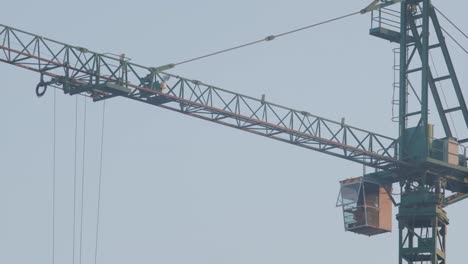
(53, 177)
(268, 38)
(74, 179)
(100, 182)
(443, 93)
(454, 40)
(452, 23)
(82, 183)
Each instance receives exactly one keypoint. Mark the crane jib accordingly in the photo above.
(77, 70)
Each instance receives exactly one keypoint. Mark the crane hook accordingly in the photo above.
(40, 85)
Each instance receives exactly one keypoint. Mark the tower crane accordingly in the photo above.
(431, 171)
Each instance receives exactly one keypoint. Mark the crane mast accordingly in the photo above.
(431, 172)
(422, 220)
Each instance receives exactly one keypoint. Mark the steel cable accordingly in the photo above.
(452, 23)
(82, 183)
(268, 38)
(53, 176)
(443, 93)
(454, 40)
(100, 182)
(74, 179)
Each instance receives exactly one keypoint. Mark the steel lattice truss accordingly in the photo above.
(77, 70)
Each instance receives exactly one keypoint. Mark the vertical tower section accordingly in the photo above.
(427, 78)
(422, 222)
(403, 101)
(415, 134)
(423, 112)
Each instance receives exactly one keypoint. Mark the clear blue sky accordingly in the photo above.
(177, 190)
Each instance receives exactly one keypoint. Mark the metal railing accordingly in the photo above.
(385, 17)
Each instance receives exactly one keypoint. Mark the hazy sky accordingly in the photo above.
(178, 190)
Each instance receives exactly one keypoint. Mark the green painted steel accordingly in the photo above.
(78, 70)
(425, 75)
(403, 81)
(422, 227)
(422, 220)
(420, 163)
(450, 67)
